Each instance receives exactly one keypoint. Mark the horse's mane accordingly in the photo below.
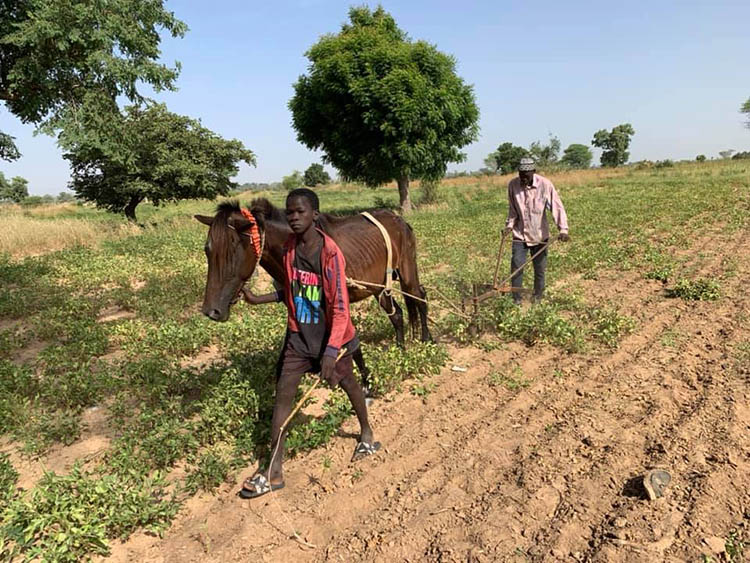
(225, 209)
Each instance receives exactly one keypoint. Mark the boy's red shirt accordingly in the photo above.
(338, 318)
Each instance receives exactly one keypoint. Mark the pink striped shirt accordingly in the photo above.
(526, 210)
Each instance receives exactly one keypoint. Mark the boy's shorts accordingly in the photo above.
(293, 363)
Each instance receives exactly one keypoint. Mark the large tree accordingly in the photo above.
(577, 156)
(614, 144)
(64, 63)
(746, 110)
(382, 107)
(508, 156)
(160, 156)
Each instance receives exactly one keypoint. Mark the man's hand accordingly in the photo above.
(507, 231)
(564, 237)
(327, 367)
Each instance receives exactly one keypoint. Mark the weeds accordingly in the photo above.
(734, 547)
(701, 289)
(8, 478)
(210, 471)
(68, 517)
(513, 380)
(609, 326)
(422, 389)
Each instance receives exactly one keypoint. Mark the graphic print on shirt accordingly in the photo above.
(307, 289)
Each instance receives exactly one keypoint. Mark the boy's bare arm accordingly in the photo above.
(253, 299)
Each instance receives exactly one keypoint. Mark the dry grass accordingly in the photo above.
(22, 235)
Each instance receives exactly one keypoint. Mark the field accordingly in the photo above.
(128, 418)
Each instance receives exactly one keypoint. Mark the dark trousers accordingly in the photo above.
(520, 252)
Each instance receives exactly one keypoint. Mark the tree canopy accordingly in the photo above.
(614, 144)
(545, 155)
(508, 156)
(64, 64)
(16, 190)
(577, 156)
(381, 106)
(160, 156)
(292, 181)
(316, 174)
(746, 110)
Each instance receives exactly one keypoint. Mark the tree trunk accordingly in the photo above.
(130, 207)
(403, 194)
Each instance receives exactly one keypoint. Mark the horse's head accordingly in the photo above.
(233, 251)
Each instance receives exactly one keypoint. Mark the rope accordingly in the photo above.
(359, 284)
(297, 407)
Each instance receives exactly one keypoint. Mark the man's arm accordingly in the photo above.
(558, 213)
(512, 212)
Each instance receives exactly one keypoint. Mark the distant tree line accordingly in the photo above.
(614, 145)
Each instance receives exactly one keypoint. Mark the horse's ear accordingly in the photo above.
(205, 219)
(240, 225)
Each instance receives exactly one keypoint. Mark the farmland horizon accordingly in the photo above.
(672, 75)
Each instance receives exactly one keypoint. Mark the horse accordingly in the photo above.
(232, 259)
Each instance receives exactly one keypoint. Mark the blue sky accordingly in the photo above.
(671, 69)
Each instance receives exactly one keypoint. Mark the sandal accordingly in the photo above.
(258, 486)
(363, 449)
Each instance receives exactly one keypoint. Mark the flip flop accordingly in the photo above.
(655, 481)
(363, 450)
(257, 487)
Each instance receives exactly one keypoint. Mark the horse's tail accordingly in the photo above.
(409, 277)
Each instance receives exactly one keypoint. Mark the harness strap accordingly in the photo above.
(389, 252)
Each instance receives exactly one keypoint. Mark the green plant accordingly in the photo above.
(8, 478)
(734, 547)
(422, 389)
(430, 192)
(513, 380)
(610, 326)
(210, 471)
(701, 289)
(390, 366)
(67, 517)
(327, 462)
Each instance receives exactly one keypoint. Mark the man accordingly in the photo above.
(529, 196)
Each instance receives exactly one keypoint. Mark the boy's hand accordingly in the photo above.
(327, 367)
(249, 297)
(564, 237)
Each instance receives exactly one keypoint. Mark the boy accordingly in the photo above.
(318, 327)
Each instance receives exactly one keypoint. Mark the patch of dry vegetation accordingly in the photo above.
(24, 234)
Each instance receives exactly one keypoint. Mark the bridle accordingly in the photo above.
(258, 239)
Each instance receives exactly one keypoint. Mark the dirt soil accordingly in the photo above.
(546, 472)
